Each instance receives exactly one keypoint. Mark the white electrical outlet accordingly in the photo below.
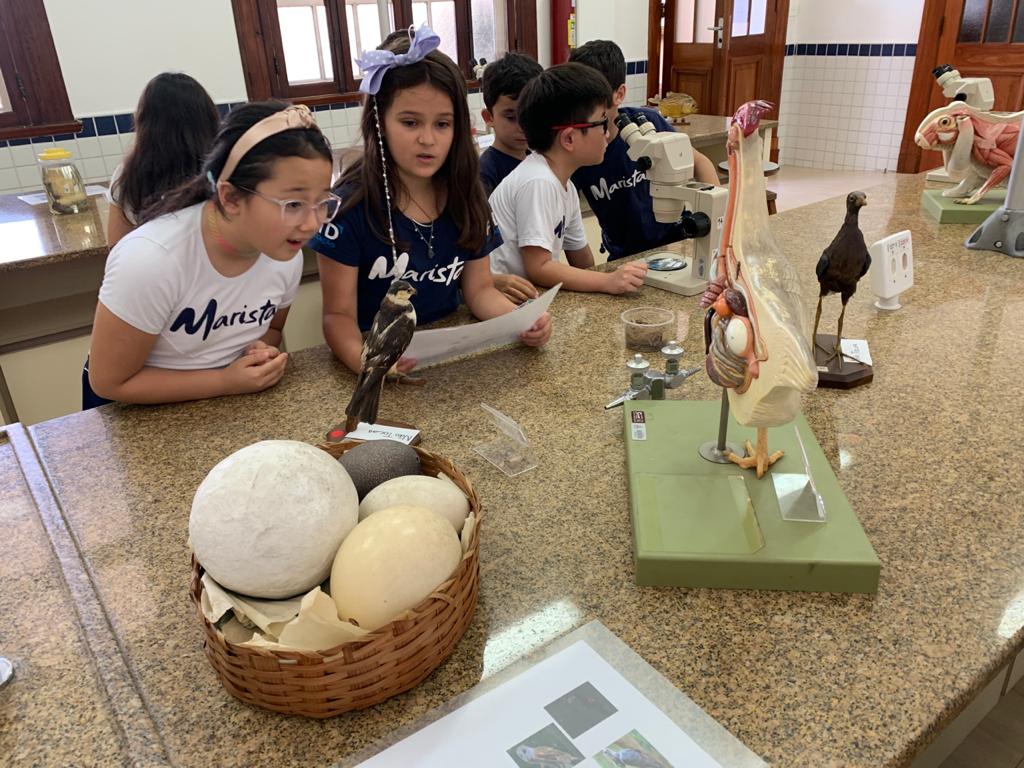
(892, 269)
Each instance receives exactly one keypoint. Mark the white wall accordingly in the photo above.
(624, 21)
(854, 21)
(109, 49)
(544, 33)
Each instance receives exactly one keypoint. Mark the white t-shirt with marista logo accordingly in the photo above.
(159, 279)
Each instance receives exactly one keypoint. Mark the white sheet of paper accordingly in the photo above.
(501, 719)
(38, 198)
(437, 345)
(381, 432)
(856, 349)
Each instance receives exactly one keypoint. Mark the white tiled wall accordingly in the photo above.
(636, 90)
(843, 112)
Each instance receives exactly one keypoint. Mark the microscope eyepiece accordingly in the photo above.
(622, 121)
(640, 119)
(940, 70)
(695, 224)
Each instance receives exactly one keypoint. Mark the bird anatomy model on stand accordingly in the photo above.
(388, 338)
(759, 345)
(842, 264)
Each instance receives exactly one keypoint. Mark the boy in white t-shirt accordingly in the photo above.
(563, 113)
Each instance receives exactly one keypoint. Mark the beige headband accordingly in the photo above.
(296, 116)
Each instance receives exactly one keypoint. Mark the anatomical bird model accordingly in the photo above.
(388, 338)
(760, 348)
(977, 147)
(845, 261)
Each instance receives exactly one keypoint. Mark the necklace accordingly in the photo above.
(214, 226)
(429, 243)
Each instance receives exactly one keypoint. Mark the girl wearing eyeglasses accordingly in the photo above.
(414, 208)
(193, 301)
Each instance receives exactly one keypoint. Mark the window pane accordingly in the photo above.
(485, 38)
(758, 9)
(998, 29)
(740, 17)
(684, 21)
(324, 41)
(419, 14)
(442, 14)
(972, 21)
(298, 36)
(5, 104)
(364, 32)
(705, 19)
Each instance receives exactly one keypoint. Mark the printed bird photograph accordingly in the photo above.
(841, 266)
(387, 340)
(580, 709)
(547, 748)
(631, 751)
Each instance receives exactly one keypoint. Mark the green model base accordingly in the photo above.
(947, 211)
(700, 524)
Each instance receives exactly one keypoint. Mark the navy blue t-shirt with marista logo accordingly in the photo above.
(349, 240)
(620, 196)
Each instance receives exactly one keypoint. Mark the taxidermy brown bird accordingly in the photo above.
(842, 264)
(387, 340)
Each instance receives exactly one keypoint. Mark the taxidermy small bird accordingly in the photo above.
(387, 340)
(841, 266)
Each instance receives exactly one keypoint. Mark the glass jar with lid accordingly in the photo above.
(62, 182)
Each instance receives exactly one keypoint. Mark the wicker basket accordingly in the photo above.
(393, 658)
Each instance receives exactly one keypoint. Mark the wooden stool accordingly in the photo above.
(771, 195)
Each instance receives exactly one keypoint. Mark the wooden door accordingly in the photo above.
(722, 52)
(979, 38)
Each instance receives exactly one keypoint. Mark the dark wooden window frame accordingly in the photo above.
(31, 72)
(259, 42)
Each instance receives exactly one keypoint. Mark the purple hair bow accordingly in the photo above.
(375, 64)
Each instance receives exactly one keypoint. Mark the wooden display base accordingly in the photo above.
(852, 375)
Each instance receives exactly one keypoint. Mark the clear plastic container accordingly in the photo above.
(648, 327)
(62, 182)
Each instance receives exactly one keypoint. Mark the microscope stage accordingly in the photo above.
(662, 273)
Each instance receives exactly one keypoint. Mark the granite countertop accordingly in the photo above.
(924, 454)
(32, 236)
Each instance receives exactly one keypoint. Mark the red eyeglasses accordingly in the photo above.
(596, 123)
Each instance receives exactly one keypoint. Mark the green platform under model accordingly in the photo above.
(946, 211)
(699, 524)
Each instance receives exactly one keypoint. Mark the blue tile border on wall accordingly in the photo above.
(851, 49)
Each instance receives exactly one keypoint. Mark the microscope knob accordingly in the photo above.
(644, 164)
(696, 224)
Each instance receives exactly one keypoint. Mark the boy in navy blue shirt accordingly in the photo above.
(618, 192)
(502, 81)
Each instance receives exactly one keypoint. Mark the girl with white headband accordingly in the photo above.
(414, 208)
(193, 302)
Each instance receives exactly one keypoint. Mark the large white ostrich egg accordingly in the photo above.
(390, 562)
(268, 520)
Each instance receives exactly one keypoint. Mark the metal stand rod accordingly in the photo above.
(716, 451)
(723, 421)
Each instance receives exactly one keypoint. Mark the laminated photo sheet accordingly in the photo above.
(579, 706)
(438, 345)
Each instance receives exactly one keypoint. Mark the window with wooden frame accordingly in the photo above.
(33, 100)
(307, 49)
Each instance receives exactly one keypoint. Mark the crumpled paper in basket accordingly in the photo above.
(467, 531)
(307, 623)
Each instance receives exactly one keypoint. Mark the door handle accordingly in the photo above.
(719, 38)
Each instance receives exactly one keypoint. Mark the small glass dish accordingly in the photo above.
(648, 328)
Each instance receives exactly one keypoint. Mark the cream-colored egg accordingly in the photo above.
(441, 496)
(268, 520)
(390, 562)
(736, 336)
